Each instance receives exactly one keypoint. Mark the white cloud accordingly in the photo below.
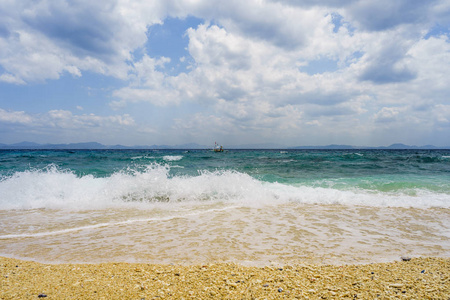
(44, 39)
(432, 57)
(443, 116)
(18, 117)
(9, 78)
(237, 74)
(248, 62)
(379, 15)
(64, 119)
(386, 114)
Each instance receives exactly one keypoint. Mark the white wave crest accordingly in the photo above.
(173, 157)
(56, 188)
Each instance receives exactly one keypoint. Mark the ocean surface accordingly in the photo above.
(256, 207)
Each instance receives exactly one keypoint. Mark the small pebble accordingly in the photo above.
(405, 258)
(334, 282)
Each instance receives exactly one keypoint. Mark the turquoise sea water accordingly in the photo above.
(241, 205)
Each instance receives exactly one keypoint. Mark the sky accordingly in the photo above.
(293, 73)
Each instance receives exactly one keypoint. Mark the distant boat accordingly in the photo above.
(218, 148)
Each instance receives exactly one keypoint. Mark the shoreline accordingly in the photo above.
(422, 277)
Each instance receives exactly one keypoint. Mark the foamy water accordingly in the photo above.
(55, 188)
(182, 209)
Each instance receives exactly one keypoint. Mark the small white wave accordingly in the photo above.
(288, 160)
(108, 224)
(172, 157)
(143, 157)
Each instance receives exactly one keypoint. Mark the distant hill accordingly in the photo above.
(25, 145)
(343, 147)
(397, 146)
(30, 145)
(95, 145)
(257, 146)
(403, 146)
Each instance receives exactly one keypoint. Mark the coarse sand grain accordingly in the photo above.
(418, 278)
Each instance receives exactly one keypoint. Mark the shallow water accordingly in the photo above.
(281, 234)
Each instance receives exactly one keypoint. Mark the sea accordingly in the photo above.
(251, 207)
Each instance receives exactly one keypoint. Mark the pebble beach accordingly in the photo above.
(417, 278)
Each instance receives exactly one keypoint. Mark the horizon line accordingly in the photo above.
(194, 146)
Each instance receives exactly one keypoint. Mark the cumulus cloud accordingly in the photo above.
(64, 119)
(443, 116)
(386, 114)
(238, 71)
(278, 24)
(15, 117)
(9, 78)
(386, 60)
(250, 64)
(59, 126)
(45, 39)
(378, 15)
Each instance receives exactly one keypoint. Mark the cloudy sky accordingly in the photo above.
(291, 72)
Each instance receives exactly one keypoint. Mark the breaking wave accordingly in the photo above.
(53, 187)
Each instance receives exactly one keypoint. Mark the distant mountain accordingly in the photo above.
(403, 146)
(162, 147)
(343, 147)
(95, 145)
(118, 147)
(25, 145)
(431, 147)
(257, 146)
(192, 146)
(90, 145)
(30, 145)
(397, 146)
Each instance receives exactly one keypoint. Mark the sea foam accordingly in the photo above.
(172, 157)
(53, 187)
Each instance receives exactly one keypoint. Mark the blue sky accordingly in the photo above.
(359, 72)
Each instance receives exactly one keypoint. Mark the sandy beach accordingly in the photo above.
(419, 278)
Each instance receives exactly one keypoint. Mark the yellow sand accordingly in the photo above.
(419, 278)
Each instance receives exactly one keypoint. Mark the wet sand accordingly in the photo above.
(219, 232)
(419, 278)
